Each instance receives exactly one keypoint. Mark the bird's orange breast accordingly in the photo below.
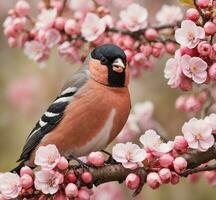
(95, 109)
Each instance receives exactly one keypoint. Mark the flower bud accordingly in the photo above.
(175, 178)
(83, 195)
(70, 26)
(166, 160)
(63, 163)
(26, 181)
(151, 34)
(22, 8)
(96, 158)
(192, 14)
(170, 48)
(26, 170)
(202, 3)
(132, 181)
(212, 72)
(86, 177)
(71, 177)
(71, 190)
(59, 23)
(180, 143)
(153, 180)
(204, 48)
(180, 164)
(165, 175)
(210, 28)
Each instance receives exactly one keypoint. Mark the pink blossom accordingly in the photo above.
(47, 181)
(47, 156)
(211, 120)
(22, 8)
(198, 134)
(108, 20)
(210, 177)
(194, 68)
(132, 20)
(10, 185)
(132, 181)
(144, 114)
(46, 19)
(35, 50)
(173, 71)
(82, 5)
(189, 34)
(68, 52)
(130, 130)
(22, 94)
(8, 21)
(152, 142)
(103, 2)
(128, 154)
(92, 27)
(108, 191)
(169, 14)
(52, 37)
(121, 5)
(153, 180)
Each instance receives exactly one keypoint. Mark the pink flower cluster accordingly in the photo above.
(89, 23)
(164, 160)
(194, 62)
(52, 178)
(191, 103)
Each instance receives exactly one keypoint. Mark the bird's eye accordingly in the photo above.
(103, 60)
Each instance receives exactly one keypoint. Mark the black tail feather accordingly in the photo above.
(17, 169)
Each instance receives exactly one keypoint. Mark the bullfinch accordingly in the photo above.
(90, 110)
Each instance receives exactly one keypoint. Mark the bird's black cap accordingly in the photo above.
(109, 52)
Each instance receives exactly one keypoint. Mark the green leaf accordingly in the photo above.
(187, 2)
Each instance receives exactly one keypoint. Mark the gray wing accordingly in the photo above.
(54, 113)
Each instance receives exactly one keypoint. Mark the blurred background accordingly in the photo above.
(28, 88)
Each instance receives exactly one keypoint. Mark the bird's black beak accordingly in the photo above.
(118, 65)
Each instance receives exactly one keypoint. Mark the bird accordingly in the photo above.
(90, 110)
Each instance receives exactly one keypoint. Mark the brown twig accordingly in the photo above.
(200, 12)
(199, 169)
